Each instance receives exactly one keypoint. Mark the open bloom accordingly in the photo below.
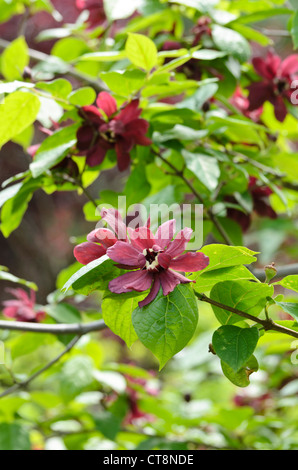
(22, 308)
(106, 127)
(155, 260)
(275, 87)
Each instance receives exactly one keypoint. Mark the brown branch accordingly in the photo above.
(267, 324)
(55, 329)
(22, 385)
(211, 216)
(97, 84)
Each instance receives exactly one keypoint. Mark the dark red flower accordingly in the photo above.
(275, 87)
(259, 194)
(23, 308)
(106, 127)
(96, 11)
(155, 260)
(241, 102)
(201, 28)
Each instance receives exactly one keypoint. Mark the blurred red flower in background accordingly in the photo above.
(261, 206)
(106, 127)
(278, 77)
(96, 11)
(22, 308)
(241, 102)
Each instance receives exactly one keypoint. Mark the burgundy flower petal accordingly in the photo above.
(95, 156)
(123, 148)
(115, 221)
(104, 236)
(85, 136)
(87, 252)
(289, 65)
(177, 246)
(266, 68)
(164, 260)
(259, 92)
(165, 233)
(107, 103)
(130, 112)
(137, 280)
(280, 109)
(168, 281)
(126, 254)
(190, 262)
(140, 282)
(141, 238)
(91, 114)
(152, 294)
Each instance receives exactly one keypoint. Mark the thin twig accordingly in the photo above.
(25, 383)
(209, 212)
(267, 324)
(97, 84)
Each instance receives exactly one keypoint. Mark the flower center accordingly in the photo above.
(282, 85)
(151, 259)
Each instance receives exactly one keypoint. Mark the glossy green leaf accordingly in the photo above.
(246, 296)
(14, 59)
(235, 345)
(168, 323)
(117, 313)
(141, 51)
(18, 111)
(53, 149)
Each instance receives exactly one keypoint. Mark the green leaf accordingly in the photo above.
(13, 436)
(205, 168)
(14, 209)
(231, 42)
(141, 51)
(124, 83)
(235, 345)
(294, 29)
(84, 96)
(5, 276)
(27, 343)
(59, 88)
(289, 307)
(117, 314)
(261, 15)
(206, 280)
(208, 54)
(14, 59)
(64, 313)
(223, 256)
(167, 324)
(18, 112)
(241, 377)
(137, 186)
(289, 282)
(249, 297)
(53, 149)
(95, 275)
(9, 193)
(76, 374)
(106, 56)
(108, 424)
